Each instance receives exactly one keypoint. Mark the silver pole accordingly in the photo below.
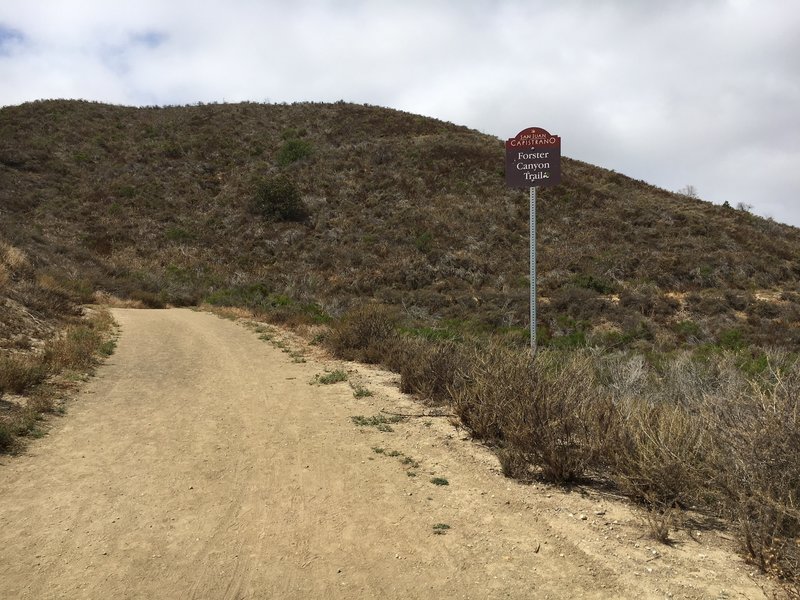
(533, 269)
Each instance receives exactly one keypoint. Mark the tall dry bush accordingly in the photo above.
(659, 454)
(548, 413)
(430, 368)
(757, 461)
(367, 333)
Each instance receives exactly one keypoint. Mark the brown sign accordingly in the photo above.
(533, 159)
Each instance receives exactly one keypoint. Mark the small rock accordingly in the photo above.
(583, 517)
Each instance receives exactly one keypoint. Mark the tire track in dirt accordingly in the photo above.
(200, 463)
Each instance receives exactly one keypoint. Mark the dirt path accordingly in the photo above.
(201, 463)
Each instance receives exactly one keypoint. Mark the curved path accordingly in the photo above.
(201, 462)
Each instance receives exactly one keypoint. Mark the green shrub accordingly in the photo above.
(292, 151)
(598, 284)
(279, 199)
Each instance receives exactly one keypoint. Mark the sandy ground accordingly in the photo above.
(202, 462)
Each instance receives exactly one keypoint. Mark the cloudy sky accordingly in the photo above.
(679, 92)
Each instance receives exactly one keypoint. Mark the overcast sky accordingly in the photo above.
(675, 92)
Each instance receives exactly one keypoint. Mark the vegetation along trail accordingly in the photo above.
(206, 461)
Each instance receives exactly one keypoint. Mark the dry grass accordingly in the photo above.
(77, 348)
(20, 373)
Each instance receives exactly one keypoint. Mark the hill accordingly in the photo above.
(159, 204)
(670, 327)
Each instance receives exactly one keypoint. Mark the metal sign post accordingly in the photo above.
(533, 159)
(533, 269)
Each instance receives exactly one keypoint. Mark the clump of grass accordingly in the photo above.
(77, 348)
(361, 392)
(440, 528)
(439, 481)
(380, 422)
(20, 373)
(409, 462)
(336, 376)
(6, 437)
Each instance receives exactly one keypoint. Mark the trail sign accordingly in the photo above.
(533, 159)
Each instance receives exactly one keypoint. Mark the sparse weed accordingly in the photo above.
(381, 422)
(330, 378)
(361, 392)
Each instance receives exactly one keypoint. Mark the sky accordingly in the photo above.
(702, 93)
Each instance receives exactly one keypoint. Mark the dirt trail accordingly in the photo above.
(201, 463)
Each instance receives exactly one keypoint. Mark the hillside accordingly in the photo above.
(306, 213)
(156, 204)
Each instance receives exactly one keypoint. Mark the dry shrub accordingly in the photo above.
(659, 457)
(19, 373)
(548, 412)
(12, 257)
(77, 348)
(758, 461)
(6, 437)
(367, 333)
(483, 392)
(429, 368)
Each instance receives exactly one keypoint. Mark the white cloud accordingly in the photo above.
(701, 92)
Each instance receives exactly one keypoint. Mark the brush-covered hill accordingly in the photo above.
(180, 204)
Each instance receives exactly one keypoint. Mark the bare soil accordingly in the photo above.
(202, 462)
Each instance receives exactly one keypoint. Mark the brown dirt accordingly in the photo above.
(201, 463)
